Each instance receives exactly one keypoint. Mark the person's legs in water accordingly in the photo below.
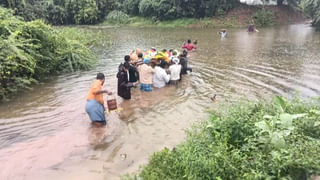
(96, 112)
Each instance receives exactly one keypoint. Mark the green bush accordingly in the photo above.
(147, 8)
(117, 17)
(131, 7)
(279, 140)
(264, 18)
(32, 50)
(312, 7)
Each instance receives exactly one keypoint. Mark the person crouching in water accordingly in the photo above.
(175, 70)
(160, 77)
(146, 73)
(124, 86)
(95, 103)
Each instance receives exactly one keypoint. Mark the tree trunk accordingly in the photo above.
(279, 2)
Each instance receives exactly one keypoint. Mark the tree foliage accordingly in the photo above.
(93, 11)
(32, 50)
(312, 7)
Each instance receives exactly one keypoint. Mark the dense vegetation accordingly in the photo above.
(32, 50)
(93, 11)
(312, 7)
(279, 140)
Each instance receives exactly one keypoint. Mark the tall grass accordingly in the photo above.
(32, 50)
(278, 140)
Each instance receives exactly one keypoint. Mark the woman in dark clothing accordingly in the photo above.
(133, 73)
(124, 85)
(184, 63)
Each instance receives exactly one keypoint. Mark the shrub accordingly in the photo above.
(32, 50)
(279, 140)
(117, 17)
(131, 7)
(264, 17)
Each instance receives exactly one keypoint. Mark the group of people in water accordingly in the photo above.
(152, 69)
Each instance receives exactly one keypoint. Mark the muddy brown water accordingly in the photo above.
(46, 134)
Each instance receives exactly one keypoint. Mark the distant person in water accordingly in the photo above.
(95, 103)
(251, 28)
(184, 63)
(124, 86)
(223, 33)
(189, 46)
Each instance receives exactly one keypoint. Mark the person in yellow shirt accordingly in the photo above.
(95, 103)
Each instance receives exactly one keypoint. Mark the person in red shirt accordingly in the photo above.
(189, 46)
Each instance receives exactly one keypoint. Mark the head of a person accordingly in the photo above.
(140, 55)
(174, 53)
(127, 58)
(100, 76)
(146, 61)
(126, 66)
(171, 50)
(138, 51)
(164, 50)
(176, 60)
(153, 49)
(163, 63)
(185, 53)
(189, 41)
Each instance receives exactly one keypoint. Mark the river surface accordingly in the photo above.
(46, 133)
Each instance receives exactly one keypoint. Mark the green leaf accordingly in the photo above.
(268, 117)
(277, 140)
(263, 126)
(280, 103)
(314, 111)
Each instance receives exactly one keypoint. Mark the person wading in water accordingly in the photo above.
(95, 103)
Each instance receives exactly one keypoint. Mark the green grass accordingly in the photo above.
(183, 22)
(249, 140)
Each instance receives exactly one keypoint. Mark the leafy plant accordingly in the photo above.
(264, 18)
(118, 17)
(32, 50)
(246, 141)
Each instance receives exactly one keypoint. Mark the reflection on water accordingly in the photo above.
(46, 134)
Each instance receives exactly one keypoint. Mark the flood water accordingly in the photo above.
(46, 134)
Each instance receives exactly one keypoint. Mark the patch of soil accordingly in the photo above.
(284, 14)
(242, 15)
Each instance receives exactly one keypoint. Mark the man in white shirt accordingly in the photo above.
(160, 77)
(175, 71)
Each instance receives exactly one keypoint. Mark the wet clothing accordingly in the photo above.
(124, 86)
(189, 46)
(95, 111)
(160, 77)
(175, 71)
(95, 87)
(146, 73)
(184, 64)
(251, 28)
(146, 87)
(133, 74)
(223, 34)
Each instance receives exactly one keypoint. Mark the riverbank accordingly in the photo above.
(249, 140)
(236, 18)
